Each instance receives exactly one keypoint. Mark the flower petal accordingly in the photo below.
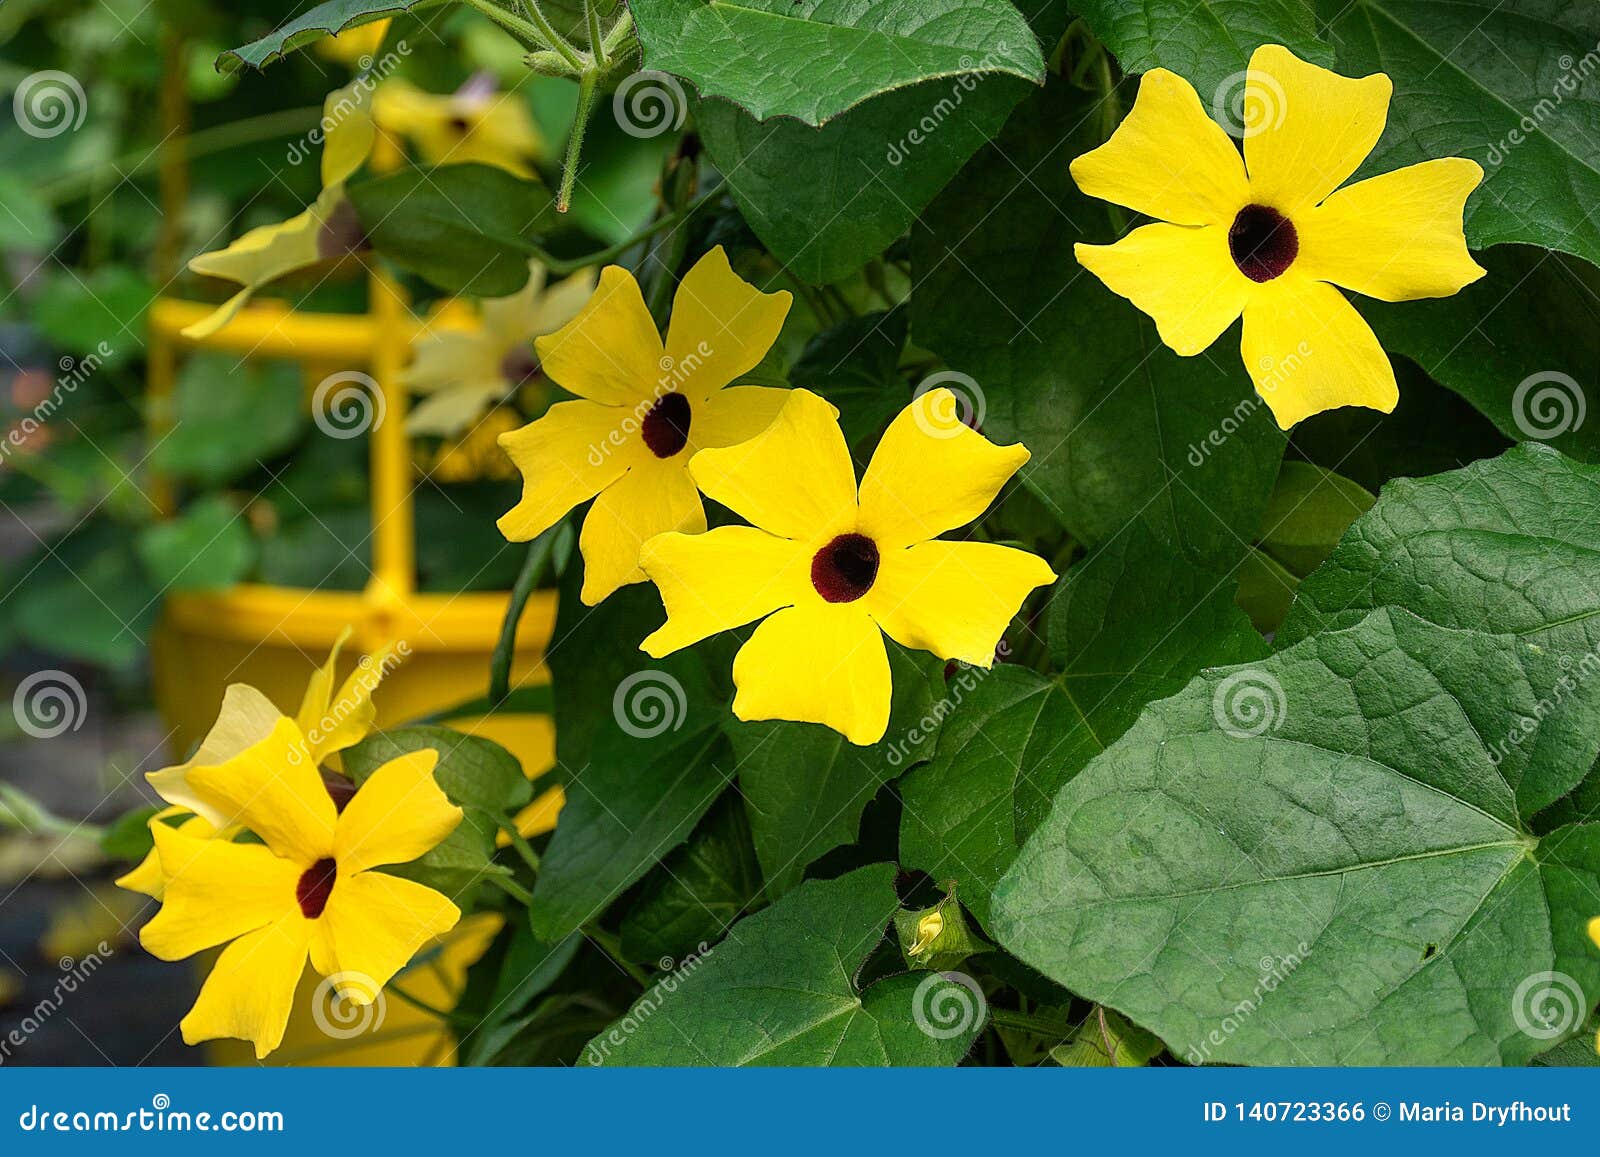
(349, 715)
(931, 473)
(817, 663)
(215, 891)
(275, 790)
(351, 131)
(1183, 277)
(953, 598)
(372, 927)
(653, 498)
(146, 877)
(1167, 159)
(1308, 350)
(610, 352)
(262, 255)
(566, 457)
(560, 303)
(795, 478)
(735, 414)
(1396, 237)
(449, 412)
(398, 814)
(1308, 128)
(719, 580)
(250, 991)
(245, 719)
(722, 326)
(537, 818)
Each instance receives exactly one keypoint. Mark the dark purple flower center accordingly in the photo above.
(341, 233)
(520, 365)
(666, 426)
(846, 568)
(315, 886)
(1263, 242)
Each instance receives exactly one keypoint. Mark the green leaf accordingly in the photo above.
(28, 224)
(855, 365)
(528, 970)
(781, 991)
(87, 600)
(326, 19)
(1121, 428)
(764, 54)
(128, 836)
(1498, 546)
(1208, 42)
(1324, 858)
(643, 743)
(825, 201)
(1129, 1045)
(1531, 320)
(1308, 513)
(806, 786)
(1127, 626)
(207, 547)
(1508, 86)
(473, 771)
(228, 418)
(701, 889)
(466, 228)
(480, 776)
(99, 314)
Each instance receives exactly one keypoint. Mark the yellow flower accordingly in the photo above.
(474, 123)
(644, 409)
(350, 46)
(326, 723)
(328, 229)
(308, 889)
(1268, 237)
(831, 567)
(463, 372)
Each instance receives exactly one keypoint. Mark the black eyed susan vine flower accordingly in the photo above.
(1269, 236)
(309, 889)
(830, 568)
(327, 230)
(643, 410)
(477, 123)
(462, 370)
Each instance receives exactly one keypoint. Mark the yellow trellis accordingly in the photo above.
(267, 635)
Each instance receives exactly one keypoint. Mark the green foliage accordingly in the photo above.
(1122, 429)
(467, 228)
(205, 548)
(227, 417)
(783, 992)
(761, 54)
(1323, 858)
(328, 18)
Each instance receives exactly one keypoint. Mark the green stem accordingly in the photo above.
(580, 124)
(560, 267)
(551, 38)
(524, 848)
(597, 42)
(511, 888)
(612, 947)
(534, 564)
(661, 289)
(202, 143)
(510, 21)
(423, 1006)
(620, 31)
(1024, 1022)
